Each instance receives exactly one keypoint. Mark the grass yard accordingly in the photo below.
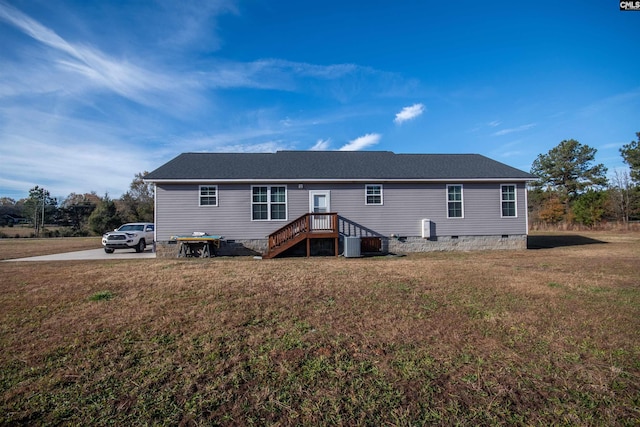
(538, 337)
(22, 248)
(16, 231)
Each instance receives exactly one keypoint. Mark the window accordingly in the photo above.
(454, 201)
(278, 203)
(208, 195)
(268, 203)
(508, 200)
(373, 194)
(259, 203)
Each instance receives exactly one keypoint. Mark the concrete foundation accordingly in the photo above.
(258, 247)
(457, 243)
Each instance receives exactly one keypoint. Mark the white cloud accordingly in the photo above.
(73, 99)
(66, 155)
(279, 74)
(71, 67)
(35, 29)
(286, 122)
(305, 69)
(321, 145)
(95, 68)
(221, 140)
(621, 101)
(494, 123)
(512, 130)
(615, 145)
(362, 142)
(514, 153)
(262, 147)
(191, 22)
(343, 82)
(409, 113)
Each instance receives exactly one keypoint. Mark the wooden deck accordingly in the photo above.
(306, 228)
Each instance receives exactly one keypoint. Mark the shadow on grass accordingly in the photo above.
(557, 241)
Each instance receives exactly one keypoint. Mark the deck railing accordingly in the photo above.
(304, 226)
(346, 227)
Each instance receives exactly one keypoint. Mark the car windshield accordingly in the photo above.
(131, 228)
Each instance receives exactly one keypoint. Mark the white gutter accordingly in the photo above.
(324, 180)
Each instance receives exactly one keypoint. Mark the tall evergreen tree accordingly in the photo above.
(590, 207)
(568, 168)
(104, 217)
(631, 155)
(39, 206)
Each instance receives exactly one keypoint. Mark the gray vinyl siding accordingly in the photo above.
(178, 213)
(404, 206)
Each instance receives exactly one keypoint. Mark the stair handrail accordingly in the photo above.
(298, 226)
(289, 231)
(346, 227)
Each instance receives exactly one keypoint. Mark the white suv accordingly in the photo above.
(135, 235)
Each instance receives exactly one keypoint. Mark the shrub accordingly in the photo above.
(101, 296)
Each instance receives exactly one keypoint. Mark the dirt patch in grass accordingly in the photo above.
(534, 337)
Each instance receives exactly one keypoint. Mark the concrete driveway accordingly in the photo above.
(91, 254)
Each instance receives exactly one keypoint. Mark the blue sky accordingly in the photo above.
(93, 92)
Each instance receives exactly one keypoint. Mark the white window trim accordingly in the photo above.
(515, 202)
(366, 188)
(286, 203)
(200, 196)
(446, 195)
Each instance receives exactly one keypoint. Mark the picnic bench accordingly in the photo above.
(203, 246)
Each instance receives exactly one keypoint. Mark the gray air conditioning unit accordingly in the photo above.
(351, 247)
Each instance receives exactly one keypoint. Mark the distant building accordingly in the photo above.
(14, 219)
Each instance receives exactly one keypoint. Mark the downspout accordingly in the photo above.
(155, 213)
(526, 207)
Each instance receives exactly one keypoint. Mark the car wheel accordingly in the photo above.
(141, 245)
(109, 251)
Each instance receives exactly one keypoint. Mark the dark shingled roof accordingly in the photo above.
(333, 165)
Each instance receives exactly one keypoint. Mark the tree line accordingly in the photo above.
(573, 189)
(78, 214)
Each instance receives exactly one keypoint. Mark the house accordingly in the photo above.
(14, 219)
(321, 201)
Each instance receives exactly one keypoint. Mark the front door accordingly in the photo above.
(320, 203)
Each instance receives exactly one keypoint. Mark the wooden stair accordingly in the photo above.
(305, 228)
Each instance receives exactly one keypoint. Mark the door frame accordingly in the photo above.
(321, 222)
(313, 193)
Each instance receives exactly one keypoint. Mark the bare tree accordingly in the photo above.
(623, 195)
(137, 203)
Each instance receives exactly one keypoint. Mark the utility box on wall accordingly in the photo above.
(426, 229)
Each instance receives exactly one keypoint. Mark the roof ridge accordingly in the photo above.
(334, 166)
